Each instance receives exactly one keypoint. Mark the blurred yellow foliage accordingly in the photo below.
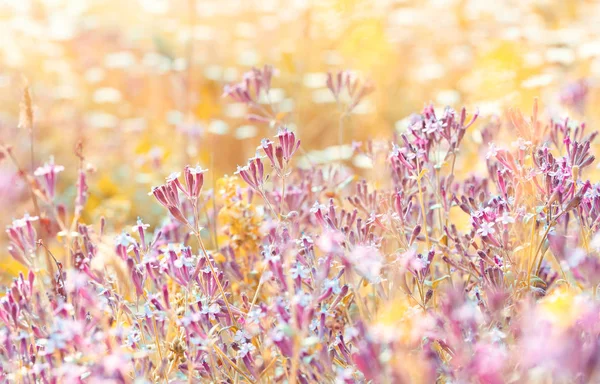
(141, 88)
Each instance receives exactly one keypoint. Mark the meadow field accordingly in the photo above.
(299, 191)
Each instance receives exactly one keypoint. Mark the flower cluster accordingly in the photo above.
(294, 274)
(253, 91)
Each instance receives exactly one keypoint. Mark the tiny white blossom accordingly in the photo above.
(139, 225)
(197, 170)
(334, 284)
(299, 271)
(211, 310)
(173, 176)
(506, 218)
(241, 336)
(245, 349)
(486, 228)
(492, 151)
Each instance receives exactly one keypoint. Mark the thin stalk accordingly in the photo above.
(422, 204)
(552, 224)
(196, 230)
(231, 363)
(264, 196)
(282, 191)
(214, 201)
(297, 337)
(214, 274)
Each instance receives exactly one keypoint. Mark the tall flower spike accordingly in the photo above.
(255, 83)
(248, 90)
(82, 189)
(344, 80)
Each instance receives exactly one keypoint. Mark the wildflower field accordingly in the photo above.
(297, 191)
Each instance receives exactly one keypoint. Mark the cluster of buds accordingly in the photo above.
(403, 161)
(183, 268)
(556, 174)
(450, 127)
(194, 180)
(355, 90)
(495, 217)
(47, 173)
(168, 193)
(428, 131)
(248, 90)
(561, 176)
(23, 240)
(280, 154)
(168, 196)
(590, 205)
(402, 207)
(574, 95)
(561, 131)
(18, 297)
(138, 276)
(272, 257)
(418, 264)
(253, 173)
(364, 200)
(493, 283)
(578, 155)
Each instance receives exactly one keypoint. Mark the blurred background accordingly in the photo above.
(139, 82)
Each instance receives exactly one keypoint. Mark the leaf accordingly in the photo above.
(521, 247)
(163, 47)
(535, 279)
(346, 182)
(434, 284)
(443, 240)
(435, 206)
